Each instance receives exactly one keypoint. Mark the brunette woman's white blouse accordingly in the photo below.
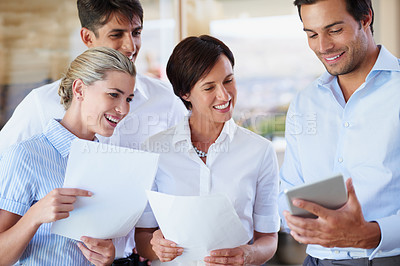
(240, 164)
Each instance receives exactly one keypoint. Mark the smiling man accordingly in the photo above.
(347, 121)
(115, 24)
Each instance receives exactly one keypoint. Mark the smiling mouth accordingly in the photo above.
(222, 106)
(334, 57)
(112, 119)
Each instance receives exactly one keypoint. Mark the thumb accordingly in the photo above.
(158, 234)
(351, 193)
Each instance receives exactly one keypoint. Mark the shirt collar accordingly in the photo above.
(140, 86)
(182, 131)
(385, 62)
(228, 130)
(59, 137)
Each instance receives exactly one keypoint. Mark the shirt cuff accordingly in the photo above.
(266, 224)
(119, 245)
(390, 235)
(13, 206)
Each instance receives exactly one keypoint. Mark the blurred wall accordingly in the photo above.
(387, 24)
(34, 46)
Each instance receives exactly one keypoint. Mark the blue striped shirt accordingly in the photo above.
(28, 172)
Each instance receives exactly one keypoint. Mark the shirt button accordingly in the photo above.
(340, 160)
(347, 124)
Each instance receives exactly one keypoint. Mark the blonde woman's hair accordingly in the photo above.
(91, 66)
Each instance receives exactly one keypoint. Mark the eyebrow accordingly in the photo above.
(120, 91)
(123, 30)
(327, 26)
(212, 82)
(116, 31)
(207, 84)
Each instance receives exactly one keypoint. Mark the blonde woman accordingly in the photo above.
(95, 92)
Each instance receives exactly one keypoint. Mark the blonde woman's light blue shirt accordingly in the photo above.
(28, 172)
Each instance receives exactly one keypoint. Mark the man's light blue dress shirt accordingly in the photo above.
(360, 139)
(28, 172)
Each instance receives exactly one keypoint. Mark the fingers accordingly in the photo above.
(301, 238)
(158, 238)
(165, 250)
(104, 246)
(229, 252)
(97, 251)
(332, 228)
(314, 208)
(314, 238)
(62, 199)
(302, 229)
(325, 213)
(74, 192)
(233, 256)
(59, 202)
(293, 220)
(66, 195)
(166, 253)
(320, 211)
(299, 224)
(90, 256)
(223, 260)
(318, 231)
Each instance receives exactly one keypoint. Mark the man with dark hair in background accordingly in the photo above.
(347, 121)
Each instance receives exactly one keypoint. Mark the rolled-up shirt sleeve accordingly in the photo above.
(16, 182)
(267, 194)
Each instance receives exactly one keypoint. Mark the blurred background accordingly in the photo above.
(39, 38)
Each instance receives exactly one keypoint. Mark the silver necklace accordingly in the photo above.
(200, 153)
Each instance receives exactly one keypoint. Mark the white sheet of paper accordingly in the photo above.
(118, 178)
(199, 224)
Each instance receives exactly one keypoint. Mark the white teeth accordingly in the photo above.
(110, 118)
(333, 58)
(222, 106)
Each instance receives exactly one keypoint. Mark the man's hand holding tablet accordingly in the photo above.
(330, 193)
